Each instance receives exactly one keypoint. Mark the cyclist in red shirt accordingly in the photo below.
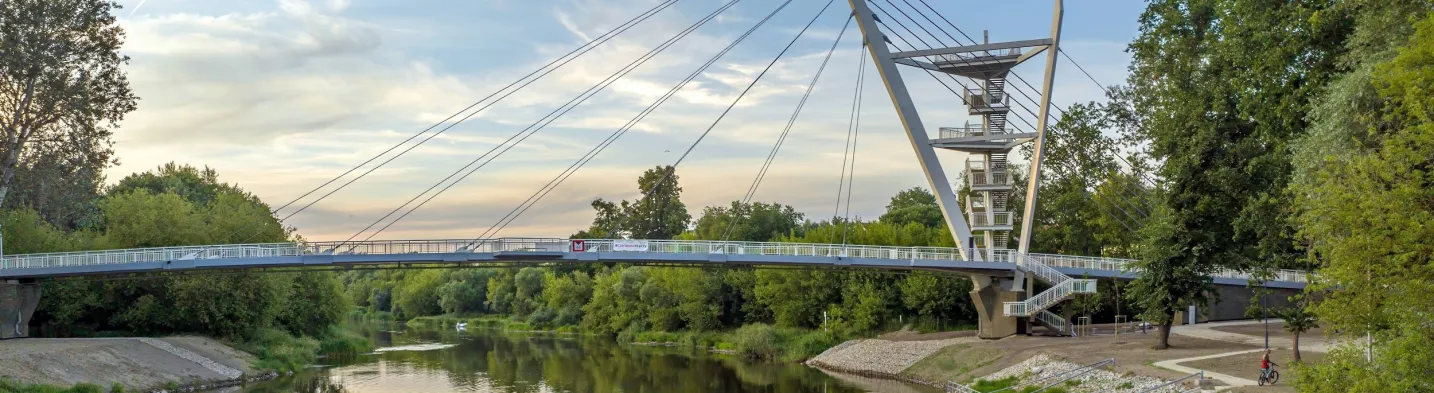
(1265, 363)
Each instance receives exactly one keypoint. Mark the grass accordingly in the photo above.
(10, 386)
(983, 385)
(363, 315)
(278, 350)
(341, 341)
(954, 362)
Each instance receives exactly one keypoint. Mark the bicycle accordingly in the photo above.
(1271, 376)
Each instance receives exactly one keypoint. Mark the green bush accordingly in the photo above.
(809, 344)
(757, 341)
(542, 318)
(993, 385)
(277, 350)
(340, 341)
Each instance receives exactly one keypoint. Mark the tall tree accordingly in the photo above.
(1364, 192)
(657, 214)
(1223, 87)
(62, 87)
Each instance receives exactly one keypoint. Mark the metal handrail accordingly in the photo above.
(1055, 321)
(995, 219)
(1200, 374)
(1078, 372)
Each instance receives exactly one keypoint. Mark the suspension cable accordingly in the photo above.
(600, 147)
(673, 168)
(967, 62)
(1133, 196)
(855, 132)
(538, 126)
(1018, 90)
(1018, 77)
(762, 173)
(540, 72)
(850, 126)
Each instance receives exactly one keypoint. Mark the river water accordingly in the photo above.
(480, 360)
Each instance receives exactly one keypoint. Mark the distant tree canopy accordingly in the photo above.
(178, 205)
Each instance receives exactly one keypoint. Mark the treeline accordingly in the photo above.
(616, 298)
(176, 206)
(1294, 133)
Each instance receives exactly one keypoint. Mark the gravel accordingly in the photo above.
(880, 357)
(1039, 367)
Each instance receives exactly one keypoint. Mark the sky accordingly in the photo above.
(281, 96)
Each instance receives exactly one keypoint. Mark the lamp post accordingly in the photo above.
(1265, 310)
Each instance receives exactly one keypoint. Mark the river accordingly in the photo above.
(481, 360)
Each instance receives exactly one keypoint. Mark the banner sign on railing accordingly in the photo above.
(629, 245)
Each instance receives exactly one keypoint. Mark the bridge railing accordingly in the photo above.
(135, 255)
(1128, 265)
(436, 246)
(102, 257)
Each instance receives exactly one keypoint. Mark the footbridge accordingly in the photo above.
(990, 265)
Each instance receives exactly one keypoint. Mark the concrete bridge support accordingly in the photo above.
(989, 295)
(18, 300)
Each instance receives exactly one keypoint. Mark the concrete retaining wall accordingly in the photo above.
(17, 305)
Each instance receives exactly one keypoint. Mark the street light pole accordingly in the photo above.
(1265, 310)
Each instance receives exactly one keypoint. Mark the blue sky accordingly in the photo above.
(279, 96)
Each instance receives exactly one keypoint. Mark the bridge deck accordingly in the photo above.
(1001, 263)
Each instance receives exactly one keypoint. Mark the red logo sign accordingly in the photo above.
(579, 246)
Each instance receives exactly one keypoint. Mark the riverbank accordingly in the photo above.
(1015, 359)
(134, 364)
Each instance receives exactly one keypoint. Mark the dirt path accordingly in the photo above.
(134, 363)
(1253, 333)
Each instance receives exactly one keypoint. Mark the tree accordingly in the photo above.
(1362, 190)
(1222, 87)
(939, 298)
(466, 291)
(915, 205)
(1171, 277)
(754, 222)
(1297, 320)
(658, 214)
(61, 83)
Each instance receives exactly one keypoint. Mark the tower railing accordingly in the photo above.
(993, 219)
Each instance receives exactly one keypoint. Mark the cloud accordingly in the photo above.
(283, 98)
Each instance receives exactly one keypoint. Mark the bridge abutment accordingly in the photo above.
(18, 300)
(989, 296)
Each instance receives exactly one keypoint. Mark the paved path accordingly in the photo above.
(1308, 342)
(1232, 381)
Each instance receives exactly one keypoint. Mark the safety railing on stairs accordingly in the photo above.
(1055, 322)
(1045, 273)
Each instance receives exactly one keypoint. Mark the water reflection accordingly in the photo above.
(490, 361)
